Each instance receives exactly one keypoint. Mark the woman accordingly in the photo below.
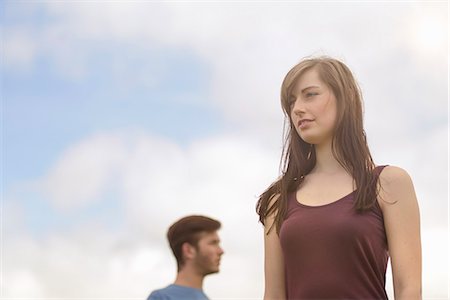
(333, 218)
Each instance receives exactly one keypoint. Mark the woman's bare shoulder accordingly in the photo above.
(393, 174)
(395, 185)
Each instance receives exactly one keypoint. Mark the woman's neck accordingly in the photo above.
(325, 160)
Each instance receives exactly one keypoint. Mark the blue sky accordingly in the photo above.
(59, 110)
(45, 112)
(120, 117)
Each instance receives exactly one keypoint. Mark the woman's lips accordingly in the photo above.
(302, 124)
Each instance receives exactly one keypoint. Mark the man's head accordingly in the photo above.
(194, 241)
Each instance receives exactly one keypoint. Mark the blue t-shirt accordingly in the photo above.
(177, 292)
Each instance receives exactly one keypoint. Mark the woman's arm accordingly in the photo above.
(402, 222)
(273, 262)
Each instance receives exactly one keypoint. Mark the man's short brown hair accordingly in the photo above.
(188, 230)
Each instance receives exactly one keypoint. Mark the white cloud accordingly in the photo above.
(434, 265)
(428, 34)
(19, 49)
(83, 172)
(426, 160)
(19, 279)
(88, 262)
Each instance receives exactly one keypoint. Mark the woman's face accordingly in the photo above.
(313, 109)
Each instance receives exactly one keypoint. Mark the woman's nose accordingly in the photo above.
(298, 107)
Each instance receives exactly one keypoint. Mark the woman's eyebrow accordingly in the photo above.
(309, 87)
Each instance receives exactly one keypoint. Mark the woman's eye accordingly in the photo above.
(308, 95)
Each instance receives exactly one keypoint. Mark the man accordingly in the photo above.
(196, 247)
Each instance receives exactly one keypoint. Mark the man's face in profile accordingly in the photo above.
(208, 254)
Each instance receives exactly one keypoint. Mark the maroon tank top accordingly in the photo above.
(333, 252)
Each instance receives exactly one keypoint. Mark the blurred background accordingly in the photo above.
(120, 117)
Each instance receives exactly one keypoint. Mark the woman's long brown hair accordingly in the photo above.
(349, 141)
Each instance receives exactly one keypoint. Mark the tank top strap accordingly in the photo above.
(377, 206)
(378, 170)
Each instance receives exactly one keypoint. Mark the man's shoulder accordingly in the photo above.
(177, 292)
(167, 293)
(159, 295)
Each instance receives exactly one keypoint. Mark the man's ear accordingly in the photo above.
(188, 250)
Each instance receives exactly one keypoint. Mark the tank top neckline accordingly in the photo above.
(322, 205)
(377, 169)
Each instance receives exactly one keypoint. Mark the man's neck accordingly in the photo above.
(189, 278)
